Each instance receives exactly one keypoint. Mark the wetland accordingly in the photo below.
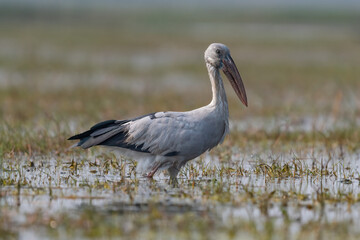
(289, 169)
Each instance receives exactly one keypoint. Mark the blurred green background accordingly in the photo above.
(79, 62)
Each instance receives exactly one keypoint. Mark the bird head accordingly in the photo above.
(218, 56)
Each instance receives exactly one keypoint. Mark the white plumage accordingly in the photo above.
(167, 140)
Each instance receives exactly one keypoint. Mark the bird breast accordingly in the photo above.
(211, 128)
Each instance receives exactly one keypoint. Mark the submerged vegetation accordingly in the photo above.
(288, 170)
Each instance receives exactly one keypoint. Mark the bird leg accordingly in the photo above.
(173, 171)
(173, 182)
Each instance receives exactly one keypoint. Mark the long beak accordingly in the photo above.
(232, 73)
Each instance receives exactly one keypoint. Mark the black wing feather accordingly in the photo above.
(117, 140)
(97, 126)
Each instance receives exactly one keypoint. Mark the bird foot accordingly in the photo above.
(153, 171)
(149, 175)
(173, 182)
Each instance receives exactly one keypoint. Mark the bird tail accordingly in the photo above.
(97, 134)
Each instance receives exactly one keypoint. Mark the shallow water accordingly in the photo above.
(250, 187)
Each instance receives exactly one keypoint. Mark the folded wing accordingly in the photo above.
(158, 133)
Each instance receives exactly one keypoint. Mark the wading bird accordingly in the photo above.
(167, 140)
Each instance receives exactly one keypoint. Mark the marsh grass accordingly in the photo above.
(288, 170)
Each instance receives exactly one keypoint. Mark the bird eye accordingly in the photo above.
(217, 51)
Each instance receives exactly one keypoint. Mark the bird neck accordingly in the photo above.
(218, 91)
